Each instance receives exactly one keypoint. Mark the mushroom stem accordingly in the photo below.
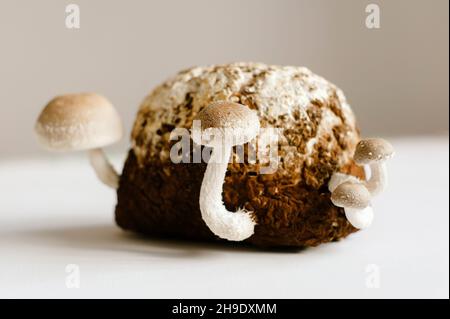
(103, 168)
(378, 178)
(235, 226)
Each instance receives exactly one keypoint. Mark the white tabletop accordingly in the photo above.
(58, 239)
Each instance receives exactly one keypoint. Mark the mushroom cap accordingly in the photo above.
(373, 150)
(359, 218)
(351, 195)
(78, 122)
(227, 122)
(339, 178)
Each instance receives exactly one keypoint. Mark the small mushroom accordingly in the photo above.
(351, 195)
(355, 199)
(374, 152)
(85, 121)
(227, 124)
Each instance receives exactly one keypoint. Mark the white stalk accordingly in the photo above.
(378, 180)
(103, 168)
(235, 226)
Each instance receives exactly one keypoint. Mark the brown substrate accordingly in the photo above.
(161, 199)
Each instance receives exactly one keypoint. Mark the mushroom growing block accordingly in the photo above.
(290, 207)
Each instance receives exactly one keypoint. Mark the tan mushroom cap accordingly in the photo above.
(78, 122)
(234, 119)
(373, 150)
(351, 195)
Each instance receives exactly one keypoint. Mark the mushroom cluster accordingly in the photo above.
(355, 195)
(318, 145)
